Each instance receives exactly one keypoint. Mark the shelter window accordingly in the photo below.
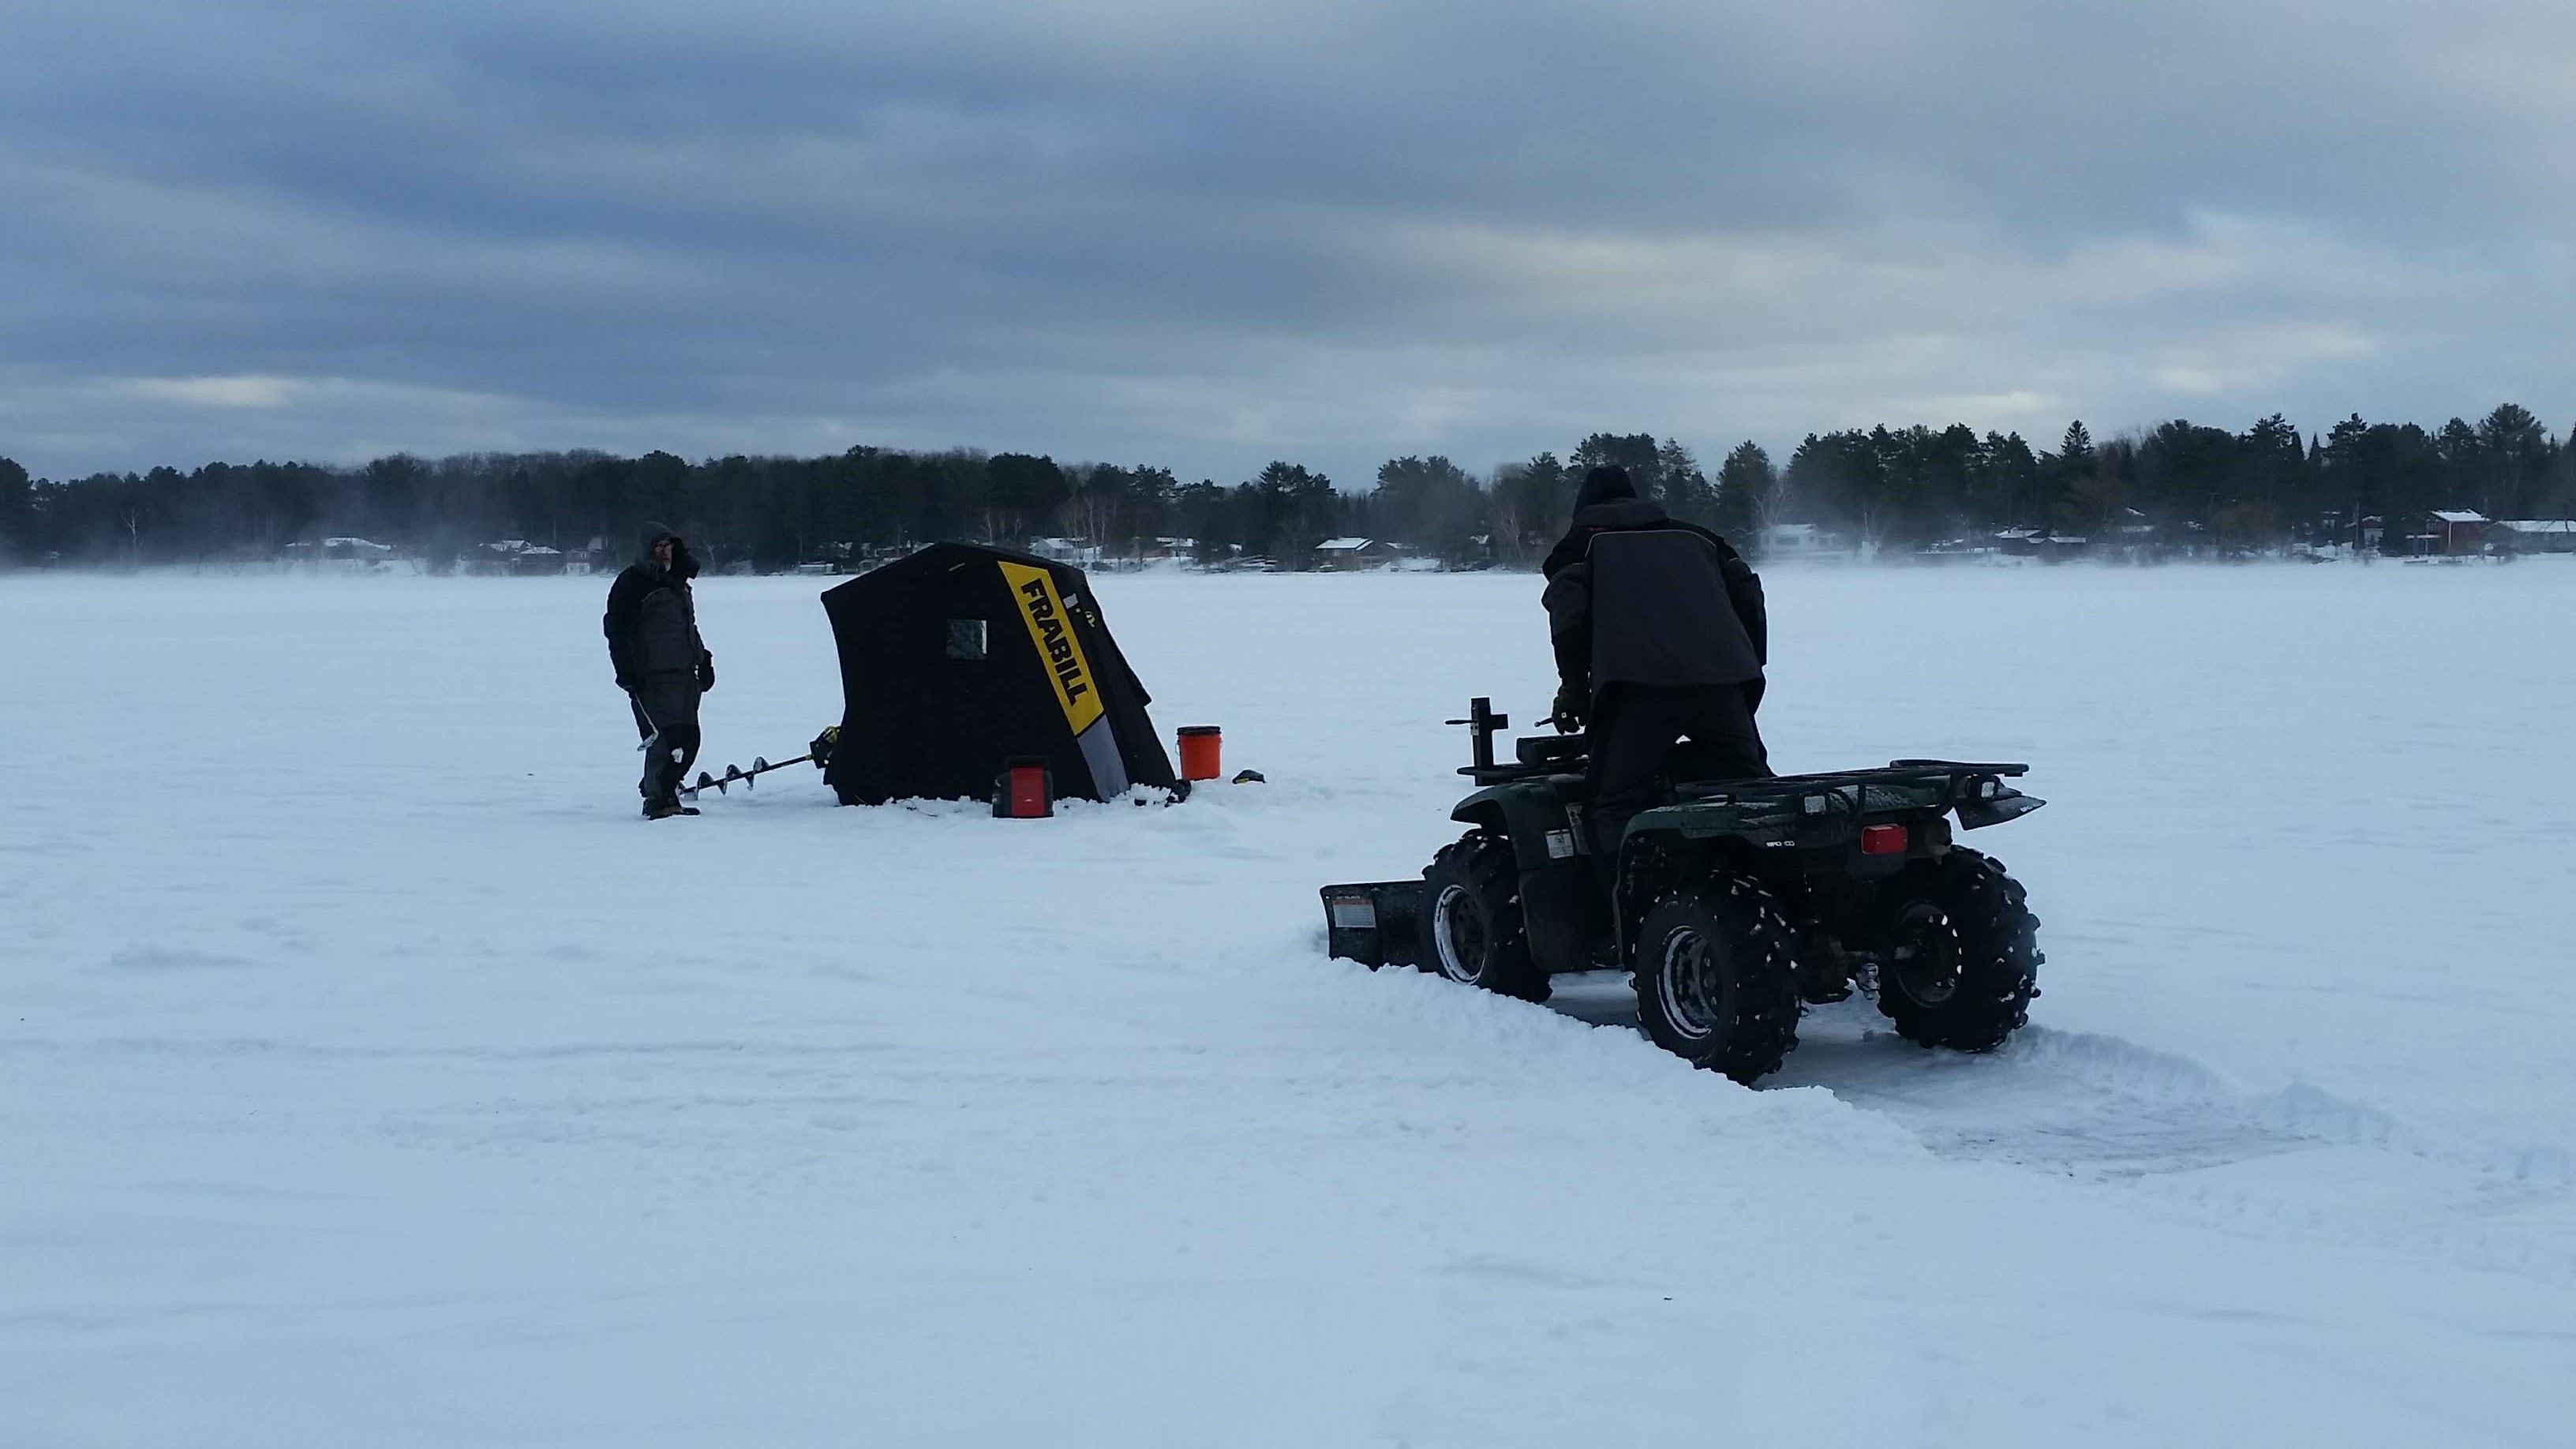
(965, 638)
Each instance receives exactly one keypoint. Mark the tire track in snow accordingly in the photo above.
(2178, 1136)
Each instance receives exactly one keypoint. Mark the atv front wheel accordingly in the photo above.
(1717, 980)
(1472, 926)
(1962, 953)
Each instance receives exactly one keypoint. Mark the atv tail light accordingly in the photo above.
(1882, 840)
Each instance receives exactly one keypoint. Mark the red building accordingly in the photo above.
(2456, 531)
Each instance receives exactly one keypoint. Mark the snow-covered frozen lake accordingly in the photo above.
(370, 1074)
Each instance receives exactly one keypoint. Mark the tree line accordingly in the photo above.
(2179, 487)
(2182, 485)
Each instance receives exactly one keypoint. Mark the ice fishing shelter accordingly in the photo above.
(957, 659)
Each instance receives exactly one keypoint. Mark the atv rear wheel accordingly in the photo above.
(1963, 953)
(1472, 927)
(1717, 979)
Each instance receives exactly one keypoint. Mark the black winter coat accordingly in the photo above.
(1636, 595)
(652, 626)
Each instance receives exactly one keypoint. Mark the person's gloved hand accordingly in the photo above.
(1571, 706)
(706, 673)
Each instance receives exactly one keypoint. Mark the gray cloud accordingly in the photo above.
(1209, 236)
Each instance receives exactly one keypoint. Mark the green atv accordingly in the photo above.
(1736, 901)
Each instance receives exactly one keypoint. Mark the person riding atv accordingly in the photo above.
(1660, 633)
(1734, 898)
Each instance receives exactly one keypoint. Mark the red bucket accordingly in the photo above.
(1202, 749)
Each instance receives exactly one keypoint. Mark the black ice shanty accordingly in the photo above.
(957, 659)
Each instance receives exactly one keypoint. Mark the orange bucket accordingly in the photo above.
(1202, 746)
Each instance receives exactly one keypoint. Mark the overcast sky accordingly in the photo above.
(1210, 235)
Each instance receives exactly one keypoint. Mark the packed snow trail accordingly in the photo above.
(2109, 1112)
(420, 1094)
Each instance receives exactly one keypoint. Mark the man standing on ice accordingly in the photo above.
(661, 663)
(1660, 633)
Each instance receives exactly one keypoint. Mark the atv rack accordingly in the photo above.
(1976, 790)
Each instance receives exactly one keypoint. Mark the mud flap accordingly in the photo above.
(1564, 914)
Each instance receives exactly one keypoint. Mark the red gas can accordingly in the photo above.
(1026, 790)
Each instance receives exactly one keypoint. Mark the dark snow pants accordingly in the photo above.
(1632, 730)
(666, 706)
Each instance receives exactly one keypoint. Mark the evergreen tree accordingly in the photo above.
(1023, 494)
(2075, 451)
(2515, 455)
(1203, 511)
(1295, 512)
(2391, 471)
(1531, 503)
(17, 512)
(2186, 471)
(1639, 453)
(1685, 490)
(1427, 503)
(2007, 483)
(390, 496)
(2558, 494)
(2276, 471)
(2072, 485)
(1748, 497)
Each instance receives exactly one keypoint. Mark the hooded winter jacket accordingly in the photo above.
(1637, 596)
(652, 621)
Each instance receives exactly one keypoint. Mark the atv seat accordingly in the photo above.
(1563, 751)
(1691, 762)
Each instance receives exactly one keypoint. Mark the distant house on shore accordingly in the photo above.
(1340, 555)
(342, 555)
(1798, 540)
(2454, 530)
(830, 558)
(2042, 543)
(519, 558)
(2532, 535)
(1079, 552)
(339, 548)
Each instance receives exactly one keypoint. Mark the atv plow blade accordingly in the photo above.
(1378, 923)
